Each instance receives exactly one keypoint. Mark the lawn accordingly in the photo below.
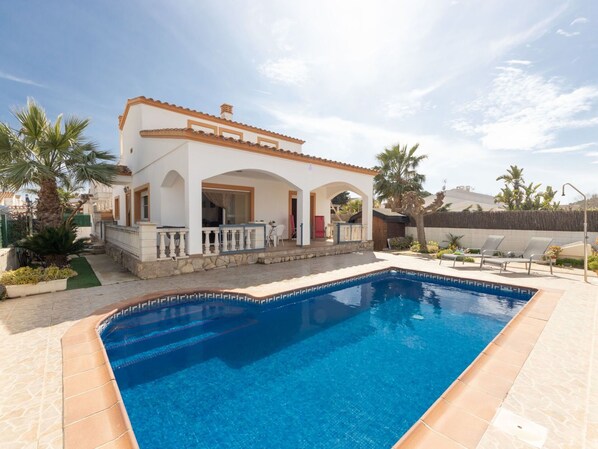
(85, 277)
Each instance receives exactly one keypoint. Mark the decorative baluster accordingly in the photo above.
(240, 233)
(217, 241)
(162, 246)
(225, 240)
(206, 242)
(183, 244)
(171, 247)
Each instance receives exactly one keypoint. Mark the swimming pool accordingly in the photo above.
(353, 364)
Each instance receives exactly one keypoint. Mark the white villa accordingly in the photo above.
(194, 184)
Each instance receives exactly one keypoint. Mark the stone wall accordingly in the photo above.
(165, 268)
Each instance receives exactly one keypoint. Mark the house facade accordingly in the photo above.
(214, 183)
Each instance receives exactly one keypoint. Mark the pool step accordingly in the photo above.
(157, 320)
(170, 340)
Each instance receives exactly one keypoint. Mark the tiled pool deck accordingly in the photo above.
(556, 388)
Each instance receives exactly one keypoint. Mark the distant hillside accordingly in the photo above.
(592, 203)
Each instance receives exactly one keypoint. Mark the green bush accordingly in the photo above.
(415, 247)
(432, 246)
(400, 243)
(566, 261)
(440, 253)
(593, 265)
(54, 245)
(29, 275)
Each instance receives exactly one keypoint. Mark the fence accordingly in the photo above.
(563, 227)
(532, 220)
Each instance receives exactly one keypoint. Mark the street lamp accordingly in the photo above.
(29, 215)
(585, 229)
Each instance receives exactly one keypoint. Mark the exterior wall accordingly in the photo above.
(165, 268)
(156, 118)
(515, 239)
(153, 159)
(8, 259)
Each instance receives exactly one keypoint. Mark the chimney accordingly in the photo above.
(226, 111)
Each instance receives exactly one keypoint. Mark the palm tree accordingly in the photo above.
(398, 174)
(512, 193)
(48, 156)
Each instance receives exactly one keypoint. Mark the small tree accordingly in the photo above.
(414, 206)
(516, 195)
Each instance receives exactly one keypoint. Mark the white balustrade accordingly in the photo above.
(211, 246)
(351, 232)
(172, 243)
(124, 237)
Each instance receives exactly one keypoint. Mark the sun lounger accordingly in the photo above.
(489, 248)
(534, 252)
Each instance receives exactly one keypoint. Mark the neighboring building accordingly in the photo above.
(386, 224)
(12, 200)
(463, 197)
(182, 168)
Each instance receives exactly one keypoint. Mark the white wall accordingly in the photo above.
(515, 239)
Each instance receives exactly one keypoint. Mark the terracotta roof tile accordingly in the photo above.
(191, 134)
(171, 106)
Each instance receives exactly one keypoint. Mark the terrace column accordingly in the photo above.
(367, 210)
(193, 198)
(303, 217)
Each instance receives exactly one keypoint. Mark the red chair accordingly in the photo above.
(292, 233)
(319, 227)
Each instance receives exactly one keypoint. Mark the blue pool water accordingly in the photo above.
(350, 366)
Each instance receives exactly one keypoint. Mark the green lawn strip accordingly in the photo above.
(85, 276)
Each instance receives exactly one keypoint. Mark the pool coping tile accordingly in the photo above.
(95, 417)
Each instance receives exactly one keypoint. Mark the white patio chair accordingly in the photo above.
(279, 234)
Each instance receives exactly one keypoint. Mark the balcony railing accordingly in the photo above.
(234, 238)
(350, 232)
(172, 243)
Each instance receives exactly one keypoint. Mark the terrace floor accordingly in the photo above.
(557, 387)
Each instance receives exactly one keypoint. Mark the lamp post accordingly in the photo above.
(29, 215)
(585, 229)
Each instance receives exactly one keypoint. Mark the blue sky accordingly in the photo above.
(480, 85)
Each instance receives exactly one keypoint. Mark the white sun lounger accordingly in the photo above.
(489, 248)
(534, 252)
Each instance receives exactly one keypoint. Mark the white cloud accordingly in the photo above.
(285, 70)
(567, 33)
(569, 149)
(526, 111)
(16, 79)
(579, 20)
(592, 154)
(518, 62)
(411, 102)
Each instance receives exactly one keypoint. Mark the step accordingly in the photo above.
(167, 342)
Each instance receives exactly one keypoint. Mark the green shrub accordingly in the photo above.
(440, 253)
(53, 245)
(566, 261)
(415, 247)
(454, 241)
(400, 243)
(593, 265)
(29, 275)
(432, 246)
(472, 251)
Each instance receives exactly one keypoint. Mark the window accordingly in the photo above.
(220, 206)
(116, 211)
(145, 206)
(142, 203)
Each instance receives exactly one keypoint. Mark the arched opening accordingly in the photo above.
(248, 195)
(333, 215)
(172, 200)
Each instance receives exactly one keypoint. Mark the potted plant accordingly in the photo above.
(553, 252)
(27, 281)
